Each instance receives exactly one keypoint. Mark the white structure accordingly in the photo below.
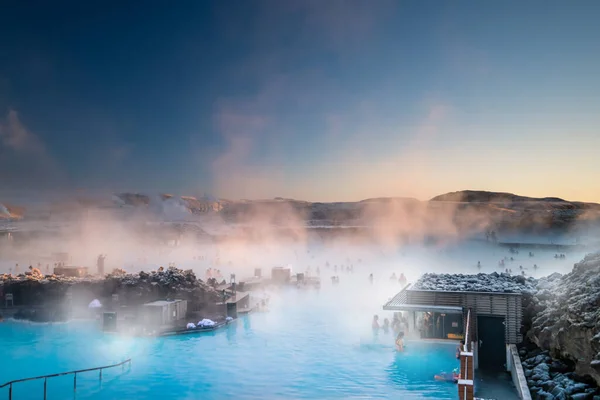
(164, 312)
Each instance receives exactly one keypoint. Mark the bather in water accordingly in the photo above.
(400, 342)
(375, 323)
(448, 376)
(386, 325)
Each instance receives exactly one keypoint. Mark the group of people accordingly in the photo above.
(425, 325)
(398, 326)
(33, 270)
(213, 273)
(347, 268)
(402, 279)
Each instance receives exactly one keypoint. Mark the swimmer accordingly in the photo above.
(402, 280)
(375, 323)
(400, 342)
(386, 325)
(448, 377)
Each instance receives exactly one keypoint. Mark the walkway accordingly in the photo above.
(493, 385)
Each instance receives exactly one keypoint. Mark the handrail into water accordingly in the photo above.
(466, 349)
(45, 377)
(466, 345)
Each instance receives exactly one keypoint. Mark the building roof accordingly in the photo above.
(482, 283)
(400, 303)
(445, 301)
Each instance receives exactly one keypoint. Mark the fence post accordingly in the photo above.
(75, 381)
(100, 373)
(45, 385)
(10, 392)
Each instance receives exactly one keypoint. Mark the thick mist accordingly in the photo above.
(387, 234)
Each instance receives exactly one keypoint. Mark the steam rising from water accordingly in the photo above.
(246, 235)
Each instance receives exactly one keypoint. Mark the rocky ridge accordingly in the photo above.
(552, 379)
(566, 318)
(42, 297)
(463, 212)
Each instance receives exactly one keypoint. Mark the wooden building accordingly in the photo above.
(489, 321)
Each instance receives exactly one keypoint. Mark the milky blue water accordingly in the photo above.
(310, 345)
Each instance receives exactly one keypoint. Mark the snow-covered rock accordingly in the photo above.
(135, 289)
(566, 319)
(494, 282)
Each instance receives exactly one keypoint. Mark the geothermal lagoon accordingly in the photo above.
(309, 344)
(300, 350)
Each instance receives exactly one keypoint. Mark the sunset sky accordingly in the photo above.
(316, 100)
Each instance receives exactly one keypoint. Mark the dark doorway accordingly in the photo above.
(492, 347)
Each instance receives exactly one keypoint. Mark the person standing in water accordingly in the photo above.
(459, 349)
(400, 341)
(386, 325)
(402, 280)
(375, 323)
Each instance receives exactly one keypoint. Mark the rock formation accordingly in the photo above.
(567, 316)
(44, 298)
(494, 282)
(549, 378)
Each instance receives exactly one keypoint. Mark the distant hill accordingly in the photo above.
(464, 211)
(479, 196)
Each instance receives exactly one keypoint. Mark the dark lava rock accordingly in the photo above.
(494, 282)
(580, 396)
(558, 393)
(566, 320)
(559, 366)
(44, 299)
(553, 378)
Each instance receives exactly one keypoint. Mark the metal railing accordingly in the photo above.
(464, 373)
(74, 373)
(467, 331)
